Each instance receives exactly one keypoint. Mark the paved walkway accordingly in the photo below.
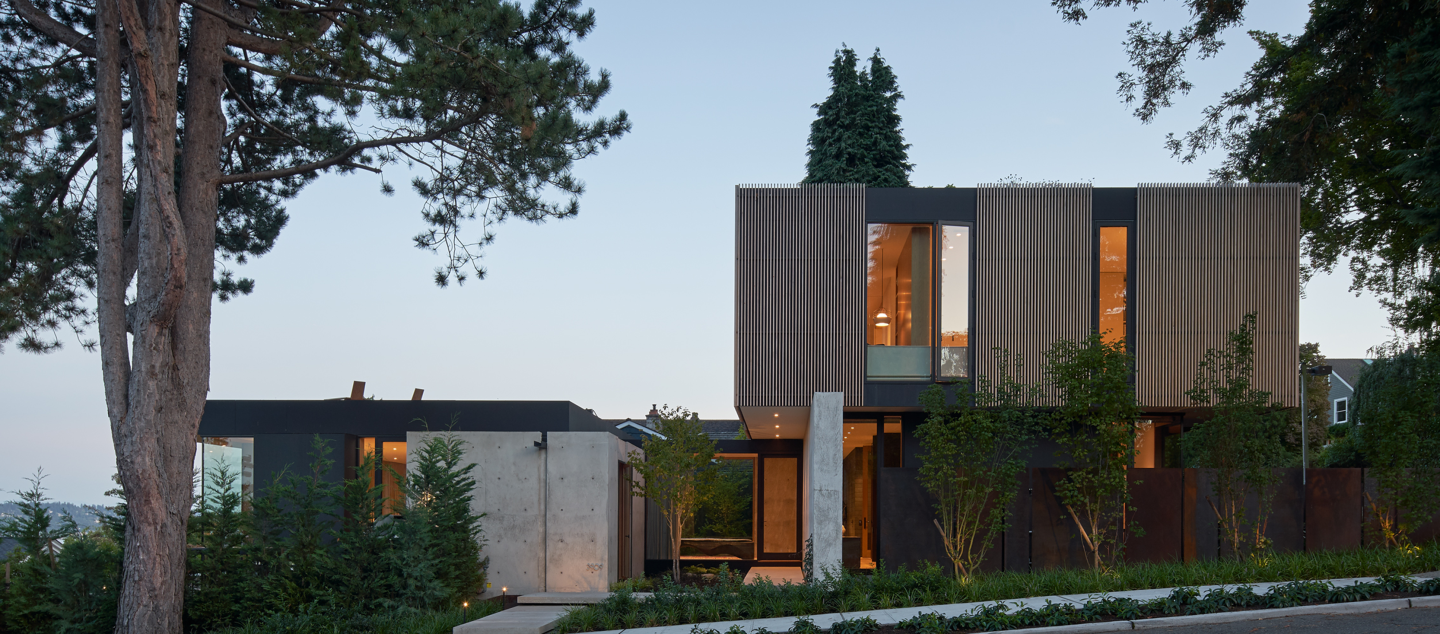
(777, 575)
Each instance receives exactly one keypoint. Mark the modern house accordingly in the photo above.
(552, 478)
(849, 301)
(1344, 376)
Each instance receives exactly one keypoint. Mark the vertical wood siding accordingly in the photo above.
(799, 293)
(1205, 256)
(1034, 257)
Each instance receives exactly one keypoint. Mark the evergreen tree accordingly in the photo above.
(856, 135)
(438, 487)
(221, 572)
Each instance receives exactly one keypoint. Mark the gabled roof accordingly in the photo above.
(1348, 370)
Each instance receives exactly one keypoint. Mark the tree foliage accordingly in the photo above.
(1349, 108)
(1397, 405)
(1243, 440)
(856, 136)
(973, 455)
(675, 473)
(1095, 425)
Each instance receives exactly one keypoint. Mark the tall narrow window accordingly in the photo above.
(898, 306)
(1114, 279)
(955, 302)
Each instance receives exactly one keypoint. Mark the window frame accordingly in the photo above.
(939, 298)
(1130, 271)
(1335, 410)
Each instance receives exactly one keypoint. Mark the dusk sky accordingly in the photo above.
(631, 303)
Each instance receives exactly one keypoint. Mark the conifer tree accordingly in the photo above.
(856, 136)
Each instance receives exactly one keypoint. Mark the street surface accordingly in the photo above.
(1411, 620)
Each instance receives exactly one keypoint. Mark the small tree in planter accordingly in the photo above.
(1398, 403)
(973, 455)
(675, 472)
(1095, 424)
(1244, 440)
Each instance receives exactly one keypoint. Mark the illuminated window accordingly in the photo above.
(1114, 279)
(955, 302)
(898, 302)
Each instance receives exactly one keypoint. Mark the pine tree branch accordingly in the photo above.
(341, 157)
(52, 28)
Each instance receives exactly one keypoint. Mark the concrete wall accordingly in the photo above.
(566, 543)
(824, 486)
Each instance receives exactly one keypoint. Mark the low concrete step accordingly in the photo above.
(525, 619)
(571, 598)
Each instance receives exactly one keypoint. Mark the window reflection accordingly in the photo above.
(955, 302)
(723, 526)
(1114, 271)
(227, 464)
(898, 302)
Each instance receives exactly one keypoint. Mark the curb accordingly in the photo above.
(891, 617)
(1357, 607)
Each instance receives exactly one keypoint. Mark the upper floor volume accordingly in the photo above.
(878, 292)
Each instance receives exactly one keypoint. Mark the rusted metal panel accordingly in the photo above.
(1333, 509)
(1017, 534)
(1423, 533)
(1033, 261)
(1286, 526)
(1205, 256)
(1054, 542)
(799, 286)
(1201, 531)
(1156, 496)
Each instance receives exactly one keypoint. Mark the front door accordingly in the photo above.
(779, 508)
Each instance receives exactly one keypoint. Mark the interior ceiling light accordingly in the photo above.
(881, 319)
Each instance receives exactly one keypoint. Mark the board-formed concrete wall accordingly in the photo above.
(566, 543)
(824, 484)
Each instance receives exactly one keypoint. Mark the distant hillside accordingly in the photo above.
(84, 518)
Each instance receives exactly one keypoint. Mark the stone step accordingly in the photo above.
(525, 619)
(571, 598)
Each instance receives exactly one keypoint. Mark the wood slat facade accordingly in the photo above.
(1206, 255)
(1033, 263)
(799, 293)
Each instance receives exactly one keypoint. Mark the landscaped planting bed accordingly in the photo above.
(731, 599)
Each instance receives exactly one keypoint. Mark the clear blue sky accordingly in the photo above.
(631, 303)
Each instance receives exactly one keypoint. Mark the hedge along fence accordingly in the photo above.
(1330, 512)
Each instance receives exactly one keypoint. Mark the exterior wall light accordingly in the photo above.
(882, 320)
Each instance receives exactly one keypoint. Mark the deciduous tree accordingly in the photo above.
(973, 455)
(1243, 440)
(1095, 425)
(675, 472)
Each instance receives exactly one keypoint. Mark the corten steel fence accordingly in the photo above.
(1330, 511)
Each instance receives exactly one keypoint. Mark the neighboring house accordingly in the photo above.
(636, 431)
(1344, 376)
(552, 479)
(850, 301)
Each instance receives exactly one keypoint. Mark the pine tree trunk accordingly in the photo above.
(155, 385)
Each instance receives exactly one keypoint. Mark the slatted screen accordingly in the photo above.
(799, 293)
(1205, 256)
(1033, 285)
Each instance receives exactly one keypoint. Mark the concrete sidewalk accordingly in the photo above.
(542, 612)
